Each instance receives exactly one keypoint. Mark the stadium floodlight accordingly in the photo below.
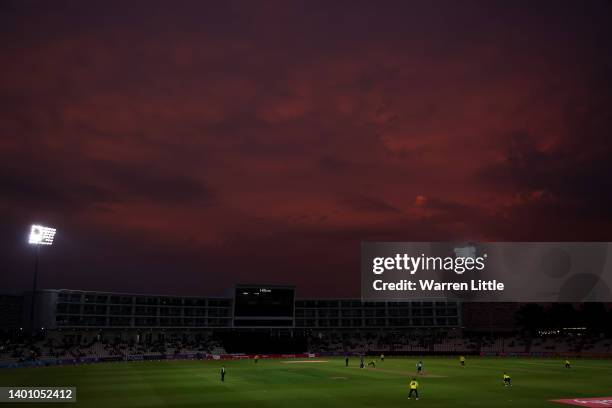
(40, 235)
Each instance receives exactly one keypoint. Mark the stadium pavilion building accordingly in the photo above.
(254, 319)
(76, 309)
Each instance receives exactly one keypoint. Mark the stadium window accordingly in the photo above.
(219, 303)
(119, 321)
(176, 301)
(195, 302)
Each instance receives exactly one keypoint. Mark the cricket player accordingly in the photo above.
(414, 388)
(382, 357)
(462, 361)
(372, 363)
(361, 365)
(567, 364)
(346, 360)
(256, 358)
(419, 367)
(223, 374)
(507, 380)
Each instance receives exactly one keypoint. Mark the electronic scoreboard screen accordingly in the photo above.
(264, 305)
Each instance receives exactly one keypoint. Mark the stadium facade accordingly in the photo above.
(78, 309)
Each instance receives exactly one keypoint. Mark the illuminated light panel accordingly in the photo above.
(40, 235)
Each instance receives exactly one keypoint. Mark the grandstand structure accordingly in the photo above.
(76, 309)
(78, 324)
(88, 326)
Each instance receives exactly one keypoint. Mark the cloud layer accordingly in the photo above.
(185, 149)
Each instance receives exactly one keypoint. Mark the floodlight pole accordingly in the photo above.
(34, 286)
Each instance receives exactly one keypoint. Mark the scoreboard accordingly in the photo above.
(264, 306)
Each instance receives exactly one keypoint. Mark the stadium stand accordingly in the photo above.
(85, 326)
(54, 347)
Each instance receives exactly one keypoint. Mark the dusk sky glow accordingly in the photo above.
(183, 147)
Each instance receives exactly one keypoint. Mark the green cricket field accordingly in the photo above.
(322, 382)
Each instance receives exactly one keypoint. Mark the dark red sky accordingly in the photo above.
(181, 148)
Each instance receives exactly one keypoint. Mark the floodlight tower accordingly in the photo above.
(39, 235)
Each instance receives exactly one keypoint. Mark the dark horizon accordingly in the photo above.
(183, 148)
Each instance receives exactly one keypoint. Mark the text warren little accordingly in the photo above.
(433, 286)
